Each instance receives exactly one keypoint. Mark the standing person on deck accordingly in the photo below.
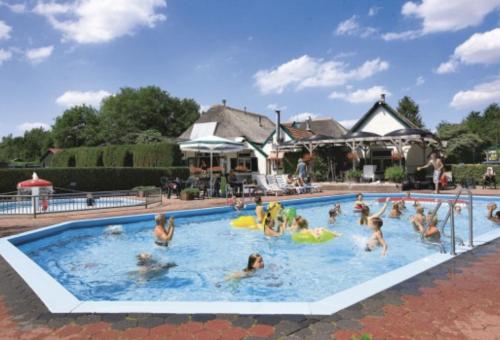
(438, 166)
(301, 171)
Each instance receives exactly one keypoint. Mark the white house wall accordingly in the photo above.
(381, 123)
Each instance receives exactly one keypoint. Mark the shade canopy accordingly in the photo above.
(410, 132)
(211, 144)
(360, 134)
(34, 182)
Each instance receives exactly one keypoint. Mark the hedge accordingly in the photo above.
(464, 172)
(137, 155)
(92, 179)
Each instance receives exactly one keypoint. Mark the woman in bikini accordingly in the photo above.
(163, 236)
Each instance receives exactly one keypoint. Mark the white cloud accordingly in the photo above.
(305, 72)
(4, 55)
(480, 48)
(353, 28)
(373, 11)
(98, 21)
(448, 67)
(16, 8)
(362, 95)
(481, 94)
(301, 117)
(37, 55)
(4, 31)
(443, 16)
(420, 81)
(348, 123)
(405, 35)
(27, 126)
(73, 98)
(274, 107)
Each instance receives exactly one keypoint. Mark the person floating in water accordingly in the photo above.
(255, 262)
(269, 225)
(377, 240)
(301, 225)
(365, 213)
(259, 209)
(163, 236)
(495, 217)
(438, 166)
(332, 216)
(148, 267)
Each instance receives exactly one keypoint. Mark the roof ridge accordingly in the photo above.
(243, 111)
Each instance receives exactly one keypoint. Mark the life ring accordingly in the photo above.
(303, 237)
(248, 222)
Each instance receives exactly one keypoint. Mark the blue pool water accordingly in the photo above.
(95, 265)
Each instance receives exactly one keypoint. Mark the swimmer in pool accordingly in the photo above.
(359, 204)
(255, 262)
(377, 239)
(148, 267)
(114, 229)
(495, 217)
(402, 205)
(332, 216)
(239, 204)
(418, 220)
(458, 209)
(163, 236)
(395, 212)
(270, 223)
(260, 212)
(301, 225)
(365, 213)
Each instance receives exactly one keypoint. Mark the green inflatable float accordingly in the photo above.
(307, 237)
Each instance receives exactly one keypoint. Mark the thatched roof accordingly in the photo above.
(327, 126)
(233, 123)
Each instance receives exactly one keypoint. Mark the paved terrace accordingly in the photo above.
(458, 299)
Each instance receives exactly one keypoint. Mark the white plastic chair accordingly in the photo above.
(369, 172)
(267, 188)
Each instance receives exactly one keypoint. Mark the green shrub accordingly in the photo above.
(138, 156)
(464, 172)
(353, 174)
(394, 174)
(190, 193)
(92, 179)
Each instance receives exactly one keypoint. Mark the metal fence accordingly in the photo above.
(13, 204)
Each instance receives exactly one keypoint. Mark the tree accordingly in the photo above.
(35, 144)
(78, 126)
(408, 108)
(131, 111)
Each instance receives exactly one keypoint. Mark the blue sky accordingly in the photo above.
(325, 58)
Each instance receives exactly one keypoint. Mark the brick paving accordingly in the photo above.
(459, 299)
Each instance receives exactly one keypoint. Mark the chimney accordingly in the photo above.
(244, 109)
(308, 123)
(224, 102)
(382, 97)
(260, 121)
(278, 124)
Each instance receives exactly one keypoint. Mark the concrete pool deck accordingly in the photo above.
(460, 298)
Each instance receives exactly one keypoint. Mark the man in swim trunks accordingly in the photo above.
(493, 217)
(163, 236)
(438, 166)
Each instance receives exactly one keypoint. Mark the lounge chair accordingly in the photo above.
(273, 180)
(283, 183)
(267, 188)
(369, 173)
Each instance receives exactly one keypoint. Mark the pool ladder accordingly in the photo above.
(451, 217)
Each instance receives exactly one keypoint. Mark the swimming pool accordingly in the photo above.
(97, 268)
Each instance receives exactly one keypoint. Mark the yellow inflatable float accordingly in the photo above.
(248, 222)
(309, 237)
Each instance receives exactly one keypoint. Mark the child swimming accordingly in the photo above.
(359, 203)
(377, 240)
(259, 209)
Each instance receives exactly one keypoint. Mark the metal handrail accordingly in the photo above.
(450, 216)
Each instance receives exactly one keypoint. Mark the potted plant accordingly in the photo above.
(189, 194)
(394, 174)
(353, 175)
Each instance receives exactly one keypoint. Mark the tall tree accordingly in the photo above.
(408, 108)
(131, 111)
(78, 126)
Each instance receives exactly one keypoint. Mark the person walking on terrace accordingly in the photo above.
(301, 171)
(438, 166)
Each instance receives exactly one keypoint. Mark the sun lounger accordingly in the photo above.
(267, 188)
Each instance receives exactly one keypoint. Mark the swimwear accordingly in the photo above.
(436, 176)
(163, 243)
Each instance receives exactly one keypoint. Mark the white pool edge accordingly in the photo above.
(58, 300)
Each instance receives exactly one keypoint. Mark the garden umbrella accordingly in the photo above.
(211, 144)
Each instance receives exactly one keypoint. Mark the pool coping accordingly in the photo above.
(59, 300)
